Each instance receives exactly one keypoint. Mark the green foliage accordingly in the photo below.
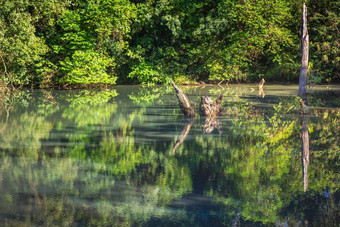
(46, 42)
(92, 40)
(324, 22)
(20, 47)
(257, 37)
(144, 73)
(87, 67)
(93, 97)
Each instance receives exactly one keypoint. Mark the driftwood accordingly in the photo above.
(305, 53)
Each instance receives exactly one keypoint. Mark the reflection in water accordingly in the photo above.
(261, 92)
(4, 123)
(183, 134)
(102, 158)
(210, 123)
(236, 220)
(304, 151)
(5, 105)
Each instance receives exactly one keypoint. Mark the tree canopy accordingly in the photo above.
(48, 42)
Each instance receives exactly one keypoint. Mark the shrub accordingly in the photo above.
(145, 73)
(86, 67)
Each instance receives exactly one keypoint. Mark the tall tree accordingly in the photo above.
(305, 53)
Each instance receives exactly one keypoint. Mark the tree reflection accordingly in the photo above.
(210, 123)
(91, 161)
(183, 134)
(304, 151)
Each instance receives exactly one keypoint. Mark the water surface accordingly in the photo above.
(126, 156)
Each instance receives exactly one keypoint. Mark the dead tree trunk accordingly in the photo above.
(210, 109)
(184, 102)
(207, 107)
(304, 60)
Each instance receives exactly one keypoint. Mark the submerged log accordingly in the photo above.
(305, 53)
(184, 102)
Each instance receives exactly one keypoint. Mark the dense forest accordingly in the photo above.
(49, 42)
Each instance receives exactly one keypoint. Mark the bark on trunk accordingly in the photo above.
(304, 60)
(207, 107)
(210, 109)
(184, 102)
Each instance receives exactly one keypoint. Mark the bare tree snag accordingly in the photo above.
(305, 53)
(184, 102)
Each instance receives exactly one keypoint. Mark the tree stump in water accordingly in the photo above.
(207, 106)
(207, 109)
(184, 102)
